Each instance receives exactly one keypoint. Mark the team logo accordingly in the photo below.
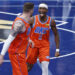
(47, 24)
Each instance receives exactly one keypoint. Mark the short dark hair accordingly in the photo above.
(28, 6)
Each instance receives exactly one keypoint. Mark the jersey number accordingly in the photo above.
(41, 31)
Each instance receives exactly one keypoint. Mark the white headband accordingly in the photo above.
(43, 5)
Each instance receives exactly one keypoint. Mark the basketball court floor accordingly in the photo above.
(63, 11)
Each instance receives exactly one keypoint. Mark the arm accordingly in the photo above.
(16, 29)
(54, 29)
(31, 21)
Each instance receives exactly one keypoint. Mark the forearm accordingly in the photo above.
(57, 40)
(55, 31)
(7, 44)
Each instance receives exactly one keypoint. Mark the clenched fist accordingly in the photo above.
(57, 54)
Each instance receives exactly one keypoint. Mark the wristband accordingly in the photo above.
(57, 50)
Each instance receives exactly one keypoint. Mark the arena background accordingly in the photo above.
(63, 11)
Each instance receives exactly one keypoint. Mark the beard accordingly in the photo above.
(42, 14)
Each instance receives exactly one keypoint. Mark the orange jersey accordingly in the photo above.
(40, 32)
(40, 36)
(19, 44)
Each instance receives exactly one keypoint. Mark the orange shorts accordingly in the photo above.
(33, 53)
(18, 62)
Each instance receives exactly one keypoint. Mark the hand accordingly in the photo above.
(31, 43)
(1, 59)
(29, 66)
(57, 54)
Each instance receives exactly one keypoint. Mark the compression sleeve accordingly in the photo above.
(7, 44)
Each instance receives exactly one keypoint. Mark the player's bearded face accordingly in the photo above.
(42, 11)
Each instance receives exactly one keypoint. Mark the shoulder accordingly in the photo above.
(53, 24)
(31, 20)
(52, 21)
(18, 23)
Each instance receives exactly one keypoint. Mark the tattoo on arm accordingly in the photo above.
(18, 26)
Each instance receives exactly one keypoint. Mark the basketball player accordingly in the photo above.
(17, 41)
(40, 36)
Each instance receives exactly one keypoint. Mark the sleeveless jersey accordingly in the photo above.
(19, 44)
(40, 32)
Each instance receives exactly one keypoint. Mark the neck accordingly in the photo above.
(25, 15)
(43, 18)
